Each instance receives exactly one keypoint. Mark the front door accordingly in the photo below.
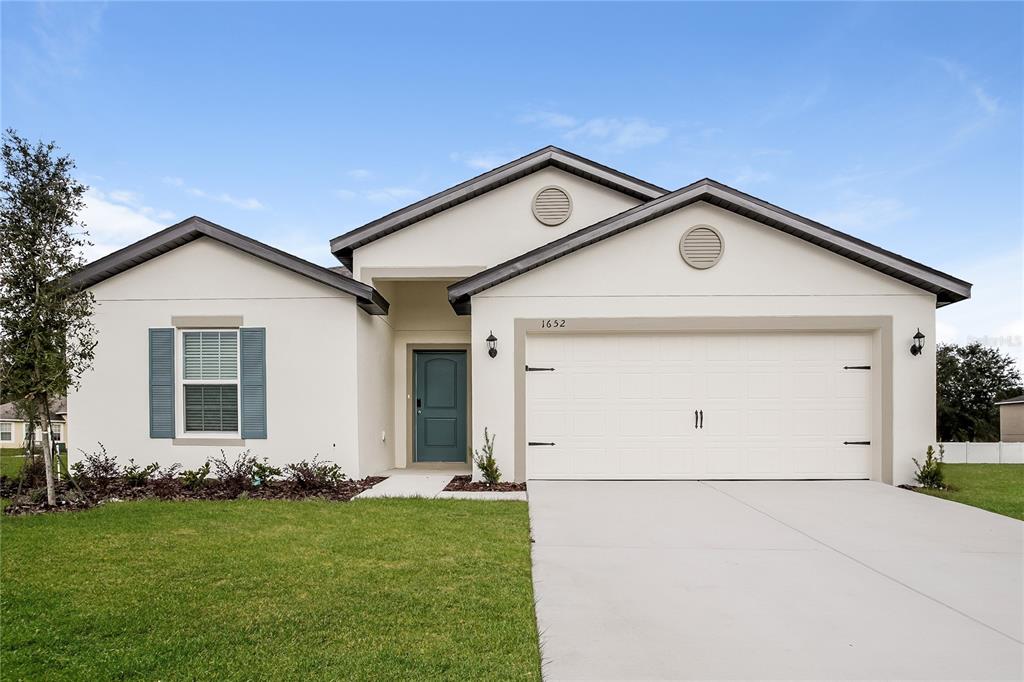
(439, 399)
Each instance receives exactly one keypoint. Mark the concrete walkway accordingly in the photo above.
(430, 483)
(756, 580)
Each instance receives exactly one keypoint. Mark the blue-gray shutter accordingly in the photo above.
(161, 383)
(253, 381)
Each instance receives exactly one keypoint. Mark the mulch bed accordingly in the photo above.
(33, 501)
(468, 485)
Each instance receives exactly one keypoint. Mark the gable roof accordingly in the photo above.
(1012, 401)
(948, 289)
(190, 229)
(343, 246)
(58, 408)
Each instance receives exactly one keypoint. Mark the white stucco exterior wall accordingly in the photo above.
(763, 272)
(310, 361)
(490, 228)
(376, 407)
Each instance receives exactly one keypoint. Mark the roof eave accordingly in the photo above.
(368, 298)
(343, 245)
(947, 289)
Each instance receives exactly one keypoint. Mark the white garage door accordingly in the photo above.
(753, 405)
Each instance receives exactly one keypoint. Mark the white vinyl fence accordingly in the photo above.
(984, 453)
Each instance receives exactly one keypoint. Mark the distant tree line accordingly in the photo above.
(972, 378)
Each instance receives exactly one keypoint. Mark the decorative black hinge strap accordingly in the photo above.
(856, 366)
(539, 369)
(533, 442)
(856, 442)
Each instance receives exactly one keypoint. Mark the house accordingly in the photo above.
(600, 326)
(14, 425)
(1011, 420)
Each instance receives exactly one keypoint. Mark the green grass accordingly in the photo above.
(998, 488)
(256, 590)
(12, 459)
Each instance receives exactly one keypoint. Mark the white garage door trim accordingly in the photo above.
(878, 328)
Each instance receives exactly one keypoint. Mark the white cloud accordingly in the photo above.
(382, 194)
(359, 174)
(856, 211)
(243, 203)
(994, 314)
(617, 134)
(610, 133)
(113, 223)
(987, 103)
(748, 175)
(548, 119)
(483, 160)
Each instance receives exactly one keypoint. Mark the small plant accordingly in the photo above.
(136, 476)
(929, 474)
(244, 473)
(314, 474)
(196, 479)
(96, 468)
(485, 462)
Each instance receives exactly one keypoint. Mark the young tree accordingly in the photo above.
(47, 339)
(971, 379)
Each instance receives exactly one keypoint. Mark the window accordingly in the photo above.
(210, 380)
(6, 431)
(55, 429)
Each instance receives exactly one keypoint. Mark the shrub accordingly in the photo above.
(33, 472)
(196, 479)
(314, 474)
(929, 474)
(485, 461)
(96, 467)
(136, 476)
(245, 472)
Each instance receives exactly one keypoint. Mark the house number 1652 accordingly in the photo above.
(551, 324)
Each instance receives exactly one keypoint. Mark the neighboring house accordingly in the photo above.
(14, 427)
(600, 326)
(1011, 420)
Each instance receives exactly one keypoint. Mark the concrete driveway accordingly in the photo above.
(782, 579)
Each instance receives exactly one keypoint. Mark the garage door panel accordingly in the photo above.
(774, 405)
(853, 384)
(633, 422)
(727, 383)
(764, 384)
(636, 385)
(676, 385)
(591, 423)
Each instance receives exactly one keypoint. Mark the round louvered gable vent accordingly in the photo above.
(552, 205)
(701, 247)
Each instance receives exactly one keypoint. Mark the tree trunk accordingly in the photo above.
(44, 416)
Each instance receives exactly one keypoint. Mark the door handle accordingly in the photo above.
(419, 403)
(702, 419)
(695, 419)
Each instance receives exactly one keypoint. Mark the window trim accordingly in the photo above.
(10, 432)
(53, 425)
(180, 382)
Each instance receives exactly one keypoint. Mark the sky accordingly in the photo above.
(294, 122)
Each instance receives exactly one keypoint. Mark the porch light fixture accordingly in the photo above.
(917, 347)
(492, 345)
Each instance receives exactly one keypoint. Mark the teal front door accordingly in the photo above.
(439, 399)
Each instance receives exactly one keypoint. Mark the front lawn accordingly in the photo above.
(370, 589)
(998, 488)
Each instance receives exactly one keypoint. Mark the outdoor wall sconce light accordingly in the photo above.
(917, 347)
(492, 345)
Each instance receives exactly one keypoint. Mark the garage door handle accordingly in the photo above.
(856, 442)
(702, 419)
(533, 442)
(695, 422)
